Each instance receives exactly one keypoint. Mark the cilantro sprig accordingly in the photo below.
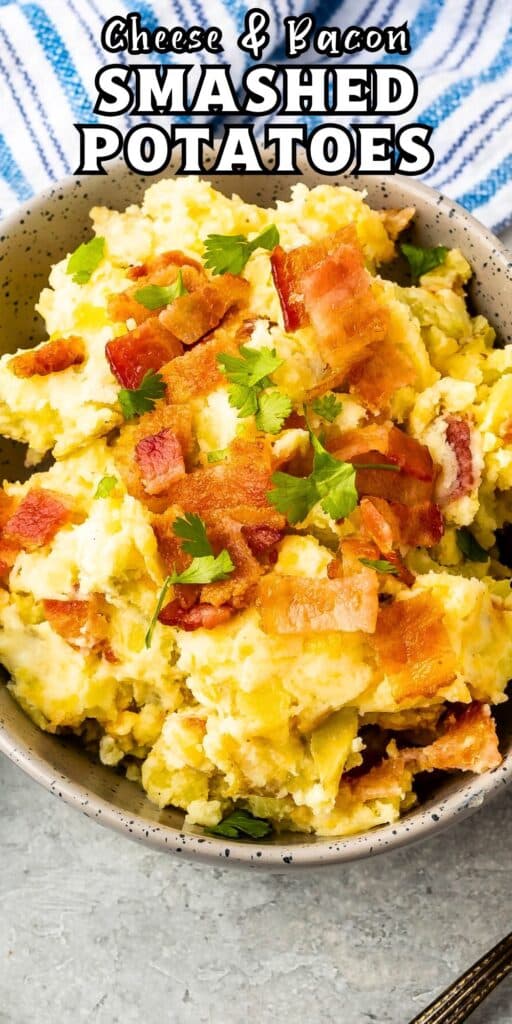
(105, 486)
(422, 260)
(380, 565)
(136, 401)
(84, 261)
(470, 547)
(228, 254)
(331, 482)
(250, 375)
(239, 824)
(154, 296)
(328, 407)
(204, 568)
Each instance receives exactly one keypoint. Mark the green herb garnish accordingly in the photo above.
(204, 568)
(249, 375)
(380, 565)
(229, 253)
(153, 296)
(328, 407)
(239, 824)
(83, 262)
(105, 486)
(331, 482)
(219, 456)
(470, 547)
(135, 401)
(422, 260)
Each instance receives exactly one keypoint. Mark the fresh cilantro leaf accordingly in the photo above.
(229, 253)
(293, 496)
(135, 401)
(105, 486)
(422, 260)
(202, 570)
(83, 262)
(331, 482)
(380, 565)
(207, 569)
(470, 547)
(219, 456)
(253, 368)
(192, 530)
(273, 409)
(159, 605)
(239, 824)
(152, 296)
(244, 399)
(328, 407)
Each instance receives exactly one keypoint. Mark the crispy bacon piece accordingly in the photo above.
(200, 616)
(382, 371)
(38, 517)
(192, 316)
(458, 436)
(385, 781)
(148, 347)
(292, 604)
(289, 269)
(153, 267)
(395, 221)
(469, 743)
(174, 420)
(52, 357)
(243, 480)
(160, 460)
(82, 623)
(413, 646)
(162, 271)
(399, 487)
(352, 549)
(262, 539)
(197, 372)
(238, 590)
(389, 523)
(345, 315)
(399, 448)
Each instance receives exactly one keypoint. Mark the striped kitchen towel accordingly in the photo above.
(461, 54)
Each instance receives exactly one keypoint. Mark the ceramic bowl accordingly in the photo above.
(31, 240)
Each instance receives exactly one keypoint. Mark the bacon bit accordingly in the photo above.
(292, 604)
(385, 781)
(390, 523)
(458, 436)
(295, 421)
(148, 347)
(243, 480)
(261, 539)
(192, 316)
(173, 556)
(395, 221)
(39, 516)
(397, 487)
(289, 268)
(177, 421)
(470, 744)
(82, 623)
(160, 460)
(124, 306)
(413, 646)
(152, 267)
(376, 378)
(334, 569)
(351, 550)
(201, 616)
(398, 448)
(346, 317)
(52, 357)
(197, 372)
(238, 589)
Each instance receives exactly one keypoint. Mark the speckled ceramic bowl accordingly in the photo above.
(31, 240)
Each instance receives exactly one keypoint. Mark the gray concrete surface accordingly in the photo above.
(96, 929)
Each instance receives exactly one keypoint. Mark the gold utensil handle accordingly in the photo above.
(459, 1000)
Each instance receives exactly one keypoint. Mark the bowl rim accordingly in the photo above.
(426, 820)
